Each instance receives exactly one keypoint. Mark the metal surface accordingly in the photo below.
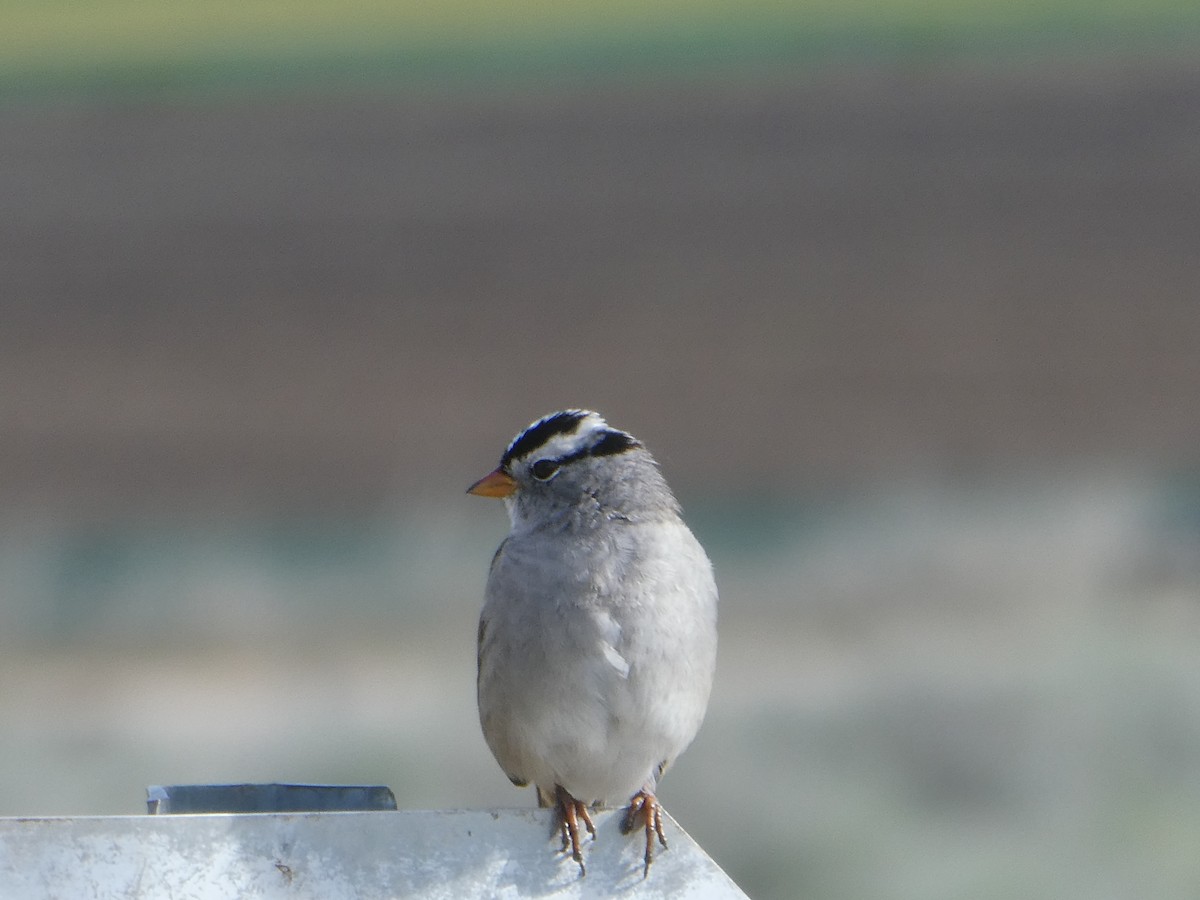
(256, 798)
(360, 855)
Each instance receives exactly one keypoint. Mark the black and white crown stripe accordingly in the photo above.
(568, 435)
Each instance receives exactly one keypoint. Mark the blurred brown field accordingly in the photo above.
(862, 273)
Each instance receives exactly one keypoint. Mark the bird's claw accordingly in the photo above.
(645, 806)
(569, 812)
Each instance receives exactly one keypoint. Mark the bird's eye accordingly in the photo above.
(543, 469)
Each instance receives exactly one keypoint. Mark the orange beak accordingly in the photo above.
(497, 483)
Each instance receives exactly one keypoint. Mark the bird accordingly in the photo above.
(597, 640)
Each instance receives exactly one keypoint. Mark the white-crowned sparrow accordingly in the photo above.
(598, 636)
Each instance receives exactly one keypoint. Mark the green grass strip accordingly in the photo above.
(171, 45)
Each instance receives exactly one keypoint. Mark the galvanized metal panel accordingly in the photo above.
(359, 855)
(174, 799)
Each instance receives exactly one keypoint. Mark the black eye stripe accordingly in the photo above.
(611, 444)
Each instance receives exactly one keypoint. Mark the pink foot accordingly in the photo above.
(644, 805)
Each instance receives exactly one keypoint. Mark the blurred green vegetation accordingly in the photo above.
(106, 45)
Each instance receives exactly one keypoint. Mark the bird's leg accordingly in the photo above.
(645, 806)
(570, 812)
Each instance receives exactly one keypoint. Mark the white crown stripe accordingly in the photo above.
(567, 435)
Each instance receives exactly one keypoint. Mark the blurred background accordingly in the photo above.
(903, 295)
